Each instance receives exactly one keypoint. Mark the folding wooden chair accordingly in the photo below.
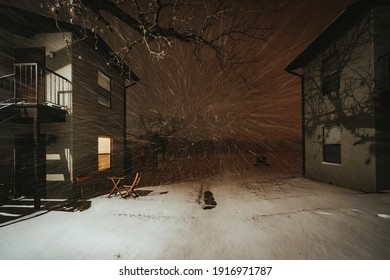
(128, 190)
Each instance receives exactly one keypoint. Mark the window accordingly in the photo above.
(330, 74)
(384, 72)
(104, 83)
(332, 144)
(104, 153)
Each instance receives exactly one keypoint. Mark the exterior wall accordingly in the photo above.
(61, 63)
(6, 51)
(382, 48)
(91, 119)
(71, 147)
(54, 43)
(352, 107)
(59, 166)
(56, 157)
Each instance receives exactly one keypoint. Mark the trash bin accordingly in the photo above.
(261, 161)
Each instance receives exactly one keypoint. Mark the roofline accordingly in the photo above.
(340, 24)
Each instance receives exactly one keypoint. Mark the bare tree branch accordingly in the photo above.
(157, 23)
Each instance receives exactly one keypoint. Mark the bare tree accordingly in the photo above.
(219, 26)
(158, 130)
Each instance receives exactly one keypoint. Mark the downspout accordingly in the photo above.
(125, 160)
(302, 118)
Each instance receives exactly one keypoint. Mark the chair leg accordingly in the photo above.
(134, 194)
(124, 193)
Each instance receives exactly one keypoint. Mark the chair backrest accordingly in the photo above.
(136, 180)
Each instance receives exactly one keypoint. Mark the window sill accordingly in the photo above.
(331, 163)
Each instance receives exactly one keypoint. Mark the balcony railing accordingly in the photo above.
(31, 85)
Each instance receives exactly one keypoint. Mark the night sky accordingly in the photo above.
(219, 105)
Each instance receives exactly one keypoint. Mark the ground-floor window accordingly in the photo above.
(332, 144)
(104, 153)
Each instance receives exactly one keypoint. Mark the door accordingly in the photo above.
(30, 165)
(25, 179)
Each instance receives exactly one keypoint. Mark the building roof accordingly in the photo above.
(343, 22)
(28, 24)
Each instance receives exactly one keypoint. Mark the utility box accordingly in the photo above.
(262, 161)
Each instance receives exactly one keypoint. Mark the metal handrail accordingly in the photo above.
(7, 76)
(33, 84)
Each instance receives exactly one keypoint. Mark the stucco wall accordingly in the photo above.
(352, 108)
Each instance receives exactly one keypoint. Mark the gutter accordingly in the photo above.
(302, 118)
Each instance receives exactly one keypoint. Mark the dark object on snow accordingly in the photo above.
(262, 161)
(209, 200)
(207, 195)
(79, 205)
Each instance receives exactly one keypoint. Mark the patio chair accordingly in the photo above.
(128, 190)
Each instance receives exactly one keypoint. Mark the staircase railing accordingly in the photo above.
(31, 84)
(58, 90)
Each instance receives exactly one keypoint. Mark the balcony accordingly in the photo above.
(32, 86)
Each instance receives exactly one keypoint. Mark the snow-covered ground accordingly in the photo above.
(292, 218)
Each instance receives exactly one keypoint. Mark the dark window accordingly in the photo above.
(330, 74)
(384, 72)
(332, 144)
(104, 83)
(332, 153)
(331, 83)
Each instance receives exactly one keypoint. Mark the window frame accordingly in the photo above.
(330, 73)
(334, 145)
(104, 94)
(109, 153)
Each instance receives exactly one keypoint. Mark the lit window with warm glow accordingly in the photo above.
(104, 153)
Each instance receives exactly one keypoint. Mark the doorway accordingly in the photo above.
(24, 165)
(30, 166)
